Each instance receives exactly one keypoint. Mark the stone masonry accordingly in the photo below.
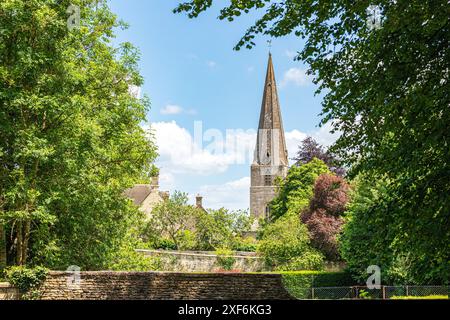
(102, 285)
(204, 261)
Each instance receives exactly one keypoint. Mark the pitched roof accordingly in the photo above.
(138, 193)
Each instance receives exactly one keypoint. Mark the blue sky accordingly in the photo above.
(193, 74)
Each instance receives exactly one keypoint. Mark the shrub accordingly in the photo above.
(169, 219)
(285, 243)
(163, 243)
(323, 230)
(130, 260)
(27, 280)
(310, 260)
(247, 244)
(187, 240)
(225, 259)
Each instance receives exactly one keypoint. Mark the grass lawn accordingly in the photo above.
(419, 298)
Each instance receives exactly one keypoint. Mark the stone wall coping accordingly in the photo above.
(240, 254)
(187, 274)
(6, 285)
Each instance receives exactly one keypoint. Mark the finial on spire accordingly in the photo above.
(269, 44)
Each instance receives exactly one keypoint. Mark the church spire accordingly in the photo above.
(271, 144)
(271, 159)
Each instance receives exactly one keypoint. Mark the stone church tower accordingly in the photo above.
(271, 157)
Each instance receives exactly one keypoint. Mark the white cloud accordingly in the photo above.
(296, 76)
(167, 179)
(323, 135)
(231, 195)
(210, 153)
(293, 140)
(171, 109)
(211, 63)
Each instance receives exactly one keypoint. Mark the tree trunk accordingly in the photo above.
(2, 247)
(19, 242)
(26, 238)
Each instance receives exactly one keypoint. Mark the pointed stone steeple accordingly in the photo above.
(271, 157)
(271, 144)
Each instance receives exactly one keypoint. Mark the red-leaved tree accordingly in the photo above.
(323, 217)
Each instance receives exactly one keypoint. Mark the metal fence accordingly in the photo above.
(385, 292)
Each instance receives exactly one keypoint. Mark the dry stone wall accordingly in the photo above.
(202, 261)
(163, 286)
(8, 292)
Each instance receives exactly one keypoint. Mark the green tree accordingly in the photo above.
(296, 190)
(172, 219)
(366, 241)
(222, 228)
(71, 139)
(192, 228)
(285, 245)
(386, 91)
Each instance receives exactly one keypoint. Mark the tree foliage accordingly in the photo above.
(222, 228)
(192, 228)
(71, 139)
(323, 217)
(285, 245)
(296, 190)
(172, 219)
(366, 241)
(310, 149)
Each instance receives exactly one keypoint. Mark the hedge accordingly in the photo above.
(299, 283)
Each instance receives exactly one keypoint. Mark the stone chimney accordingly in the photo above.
(199, 201)
(155, 181)
(165, 195)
